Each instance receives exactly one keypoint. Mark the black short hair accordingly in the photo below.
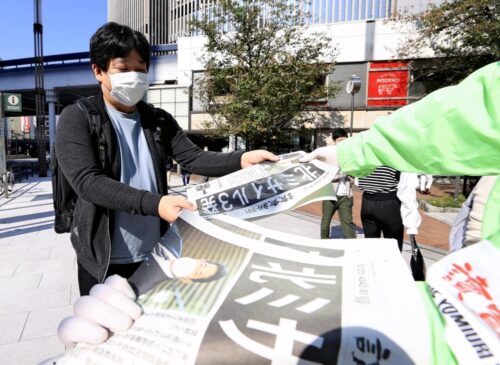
(114, 40)
(339, 133)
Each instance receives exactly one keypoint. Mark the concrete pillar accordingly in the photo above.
(51, 98)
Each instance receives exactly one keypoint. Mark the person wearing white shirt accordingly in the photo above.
(344, 202)
(425, 183)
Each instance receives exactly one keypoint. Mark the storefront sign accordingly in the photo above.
(388, 84)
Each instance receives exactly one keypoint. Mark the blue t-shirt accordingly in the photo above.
(133, 235)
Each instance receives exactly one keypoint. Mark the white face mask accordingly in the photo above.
(128, 88)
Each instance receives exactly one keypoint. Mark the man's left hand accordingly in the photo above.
(254, 157)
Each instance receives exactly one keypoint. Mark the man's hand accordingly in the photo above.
(110, 306)
(327, 154)
(254, 157)
(170, 207)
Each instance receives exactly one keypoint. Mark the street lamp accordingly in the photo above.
(352, 87)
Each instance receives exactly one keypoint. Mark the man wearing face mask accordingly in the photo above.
(122, 208)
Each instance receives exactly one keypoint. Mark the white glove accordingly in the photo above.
(109, 307)
(327, 154)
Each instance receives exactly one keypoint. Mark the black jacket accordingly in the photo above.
(100, 191)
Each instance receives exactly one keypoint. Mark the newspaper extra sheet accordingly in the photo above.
(284, 299)
(266, 188)
(466, 292)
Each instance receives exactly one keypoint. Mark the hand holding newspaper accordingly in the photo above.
(266, 188)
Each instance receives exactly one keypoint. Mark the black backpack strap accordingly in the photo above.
(93, 116)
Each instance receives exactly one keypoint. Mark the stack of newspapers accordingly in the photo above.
(278, 298)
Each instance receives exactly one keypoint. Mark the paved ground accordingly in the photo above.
(38, 276)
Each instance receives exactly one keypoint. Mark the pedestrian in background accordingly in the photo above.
(344, 202)
(206, 178)
(467, 226)
(186, 176)
(169, 166)
(380, 206)
(425, 183)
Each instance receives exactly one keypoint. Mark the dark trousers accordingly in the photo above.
(185, 178)
(382, 216)
(344, 206)
(86, 281)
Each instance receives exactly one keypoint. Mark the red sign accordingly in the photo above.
(388, 84)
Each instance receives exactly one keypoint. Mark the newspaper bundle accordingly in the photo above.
(284, 299)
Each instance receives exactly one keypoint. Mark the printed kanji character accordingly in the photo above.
(301, 278)
(209, 206)
(290, 179)
(286, 335)
(492, 318)
(465, 282)
(374, 351)
(288, 299)
(308, 171)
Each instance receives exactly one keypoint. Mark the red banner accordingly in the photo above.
(388, 84)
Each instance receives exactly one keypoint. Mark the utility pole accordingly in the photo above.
(39, 88)
(352, 87)
(3, 138)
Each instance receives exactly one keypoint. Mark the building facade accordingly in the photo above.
(367, 45)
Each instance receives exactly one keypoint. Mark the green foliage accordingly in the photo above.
(447, 202)
(262, 71)
(464, 34)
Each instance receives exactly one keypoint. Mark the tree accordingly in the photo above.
(463, 34)
(262, 70)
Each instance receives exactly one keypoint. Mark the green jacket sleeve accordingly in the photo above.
(452, 131)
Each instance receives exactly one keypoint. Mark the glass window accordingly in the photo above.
(154, 96)
(181, 95)
(168, 95)
(382, 13)
(181, 109)
(349, 10)
(323, 11)
(356, 10)
(183, 122)
(169, 107)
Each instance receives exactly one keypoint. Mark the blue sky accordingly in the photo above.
(67, 26)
